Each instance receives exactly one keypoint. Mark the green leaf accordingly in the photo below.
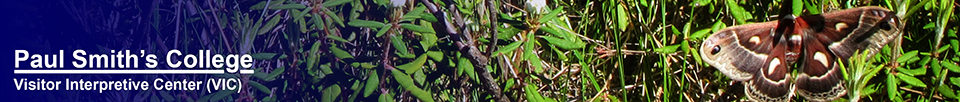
(622, 19)
(331, 93)
(383, 30)
(263, 4)
(947, 92)
(699, 34)
(337, 38)
(416, 28)
(312, 58)
(565, 44)
(373, 83)
(367, 65)
(340, 53)
(269, 26)
(220, 95)
(266, 56)
(531, 56)
(510, 47)
(955, 81)
(911, 80)
(259, 86)
(435, 55)
(400, 46)
(907, 56)
(532, 94)
(739, 13)
(552, 15)
(467, 68)
(332, 3)
(366, 23)
(892, 88)
(333, 16)
(415, 65)
(273, 74)
(428, 17)
(407, 83)
(913, 72)
(950, 66)
(428, 40)
(386, 98)
(667, 49)
(289, 6)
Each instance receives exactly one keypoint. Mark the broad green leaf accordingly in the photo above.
(947, 92)
(467, 68)
(263, 4)
(415, 65)
(400, 46)
(312, 58)
(955, 81)
(220, 95)
(956, 45)
(337, 38)
(950, 66)
(366, 23)
(428, 40)
(273, 74)
(531, 56)
(667, 49)
(565, 44)
(260, 74)
(435, 55)
(407, 83)
(428, 17)
(259, 86)
(270, 24)
(289, 6)
(367, 65)
(383, 30)
(911, 80)
(386, 98)
(913, 72)
(510, 47)
(340, 53)
(373, 83)
(332, 3)
(333, 16)
(622, 19)
(533, 94)
(416, 28)
(699, 34)
(331, 93)
(892, 88)
(739, 13)
(302, 22)
(907, 56)
(552, 15)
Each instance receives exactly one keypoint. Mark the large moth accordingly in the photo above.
(762, 55)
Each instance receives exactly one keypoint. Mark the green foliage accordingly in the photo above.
(615, 50)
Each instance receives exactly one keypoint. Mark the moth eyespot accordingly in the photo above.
(773, 65)
(886, 26)
(841, 26)
(755, 40)
(715, 50)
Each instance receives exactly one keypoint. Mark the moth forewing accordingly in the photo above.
(734, 50)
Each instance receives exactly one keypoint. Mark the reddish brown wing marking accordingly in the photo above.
(738, 51)
(837, 35)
